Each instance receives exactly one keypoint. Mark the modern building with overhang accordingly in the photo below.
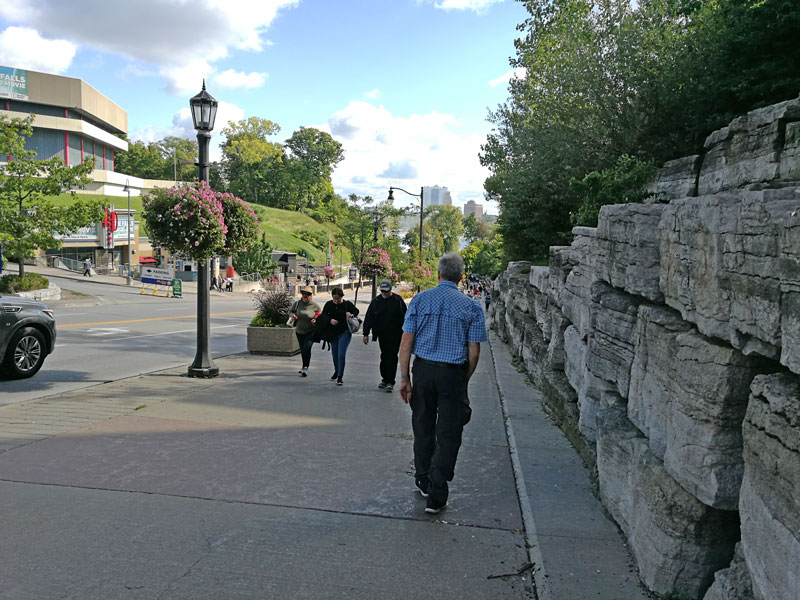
(75, 122)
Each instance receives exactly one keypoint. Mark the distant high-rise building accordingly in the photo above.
(473, 208)
(436, 195)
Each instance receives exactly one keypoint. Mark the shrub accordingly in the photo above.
(11, 284)
(624, 183)
(273, 308)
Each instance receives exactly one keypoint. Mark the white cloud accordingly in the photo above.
(372, 94)
(168, 34)
(24, 48)
(382, 149)
(237, 79)
(478, 6)
(518, 73)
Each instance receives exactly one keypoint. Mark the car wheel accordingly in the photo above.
(25, 353)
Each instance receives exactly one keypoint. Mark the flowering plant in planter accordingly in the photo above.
(329, 272)
(197, 222)
(376, 262)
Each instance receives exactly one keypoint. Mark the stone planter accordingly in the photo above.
(278, 341)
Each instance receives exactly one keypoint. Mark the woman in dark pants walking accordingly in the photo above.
(334, 320)
(304, 313)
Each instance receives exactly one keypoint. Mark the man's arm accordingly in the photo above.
(473, 354)
(406, 344)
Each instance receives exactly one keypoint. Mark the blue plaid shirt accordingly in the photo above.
(444, 321)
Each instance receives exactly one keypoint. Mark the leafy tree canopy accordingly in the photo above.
(645, 80)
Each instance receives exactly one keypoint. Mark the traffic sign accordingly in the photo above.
(156, 276)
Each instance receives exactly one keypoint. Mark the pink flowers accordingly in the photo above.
(376, 262)
(197, 222)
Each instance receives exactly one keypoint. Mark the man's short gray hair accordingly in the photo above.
(451, 267)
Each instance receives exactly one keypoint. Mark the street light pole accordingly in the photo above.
(204, 111)
(421, 215)
(127, 188)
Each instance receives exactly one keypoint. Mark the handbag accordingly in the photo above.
(353, 324)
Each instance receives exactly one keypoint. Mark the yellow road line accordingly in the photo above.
(238, 312)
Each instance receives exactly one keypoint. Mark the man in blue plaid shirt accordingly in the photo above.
(444, 329)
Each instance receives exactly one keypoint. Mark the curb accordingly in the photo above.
(541, 587)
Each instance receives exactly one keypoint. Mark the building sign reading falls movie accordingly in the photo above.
(13, 83)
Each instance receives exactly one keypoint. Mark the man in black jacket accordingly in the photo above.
(384, 319)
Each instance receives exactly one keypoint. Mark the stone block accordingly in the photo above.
(576, 295)
(748, 151)
(721, 267)
(678, 542)
(770, 494)
(561, 263)
(626, 249)
(688, 395)
(732, 583)
(789, 253)
(678, 178)
(612, 319)
(789, 167)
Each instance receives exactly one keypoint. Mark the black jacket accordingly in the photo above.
(385, 316)
(331, 310)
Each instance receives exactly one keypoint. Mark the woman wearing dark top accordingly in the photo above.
(334, 320)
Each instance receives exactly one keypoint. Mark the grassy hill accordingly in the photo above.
(281, 226)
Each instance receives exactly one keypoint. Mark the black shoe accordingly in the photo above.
(389, 387)
(422, 486)
(434, 507)
(334, 377)
(339, 381)
(382, 385)
(303, 372)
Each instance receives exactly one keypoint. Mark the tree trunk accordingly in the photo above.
(21, 267)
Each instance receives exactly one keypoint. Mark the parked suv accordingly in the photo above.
(27, 336)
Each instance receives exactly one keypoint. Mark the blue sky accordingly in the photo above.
(404, 85)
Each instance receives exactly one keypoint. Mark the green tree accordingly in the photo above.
(251, 161)
(312, 156)
(446, 222)
(141, 160)
(363, 228)
(180, 158)
(648, 80)
(256, 259)
(490, 258)
(475, 230)
(27, 219)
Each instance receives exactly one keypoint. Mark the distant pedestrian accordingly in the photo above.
(229, 284)
(87, 267)
(304, 313)
(333, 321)
(384, 319)
(487, 300)
(443, 329)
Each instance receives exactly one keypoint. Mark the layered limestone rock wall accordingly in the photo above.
(666, 342)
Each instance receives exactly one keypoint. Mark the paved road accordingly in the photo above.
(128, 334)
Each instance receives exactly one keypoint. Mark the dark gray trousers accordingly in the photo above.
(439, 410)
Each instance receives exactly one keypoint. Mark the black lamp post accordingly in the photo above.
(421, 215)
(375, 225)
(204, 111)
(127, 188)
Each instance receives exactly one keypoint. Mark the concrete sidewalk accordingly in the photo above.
(260, 484)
